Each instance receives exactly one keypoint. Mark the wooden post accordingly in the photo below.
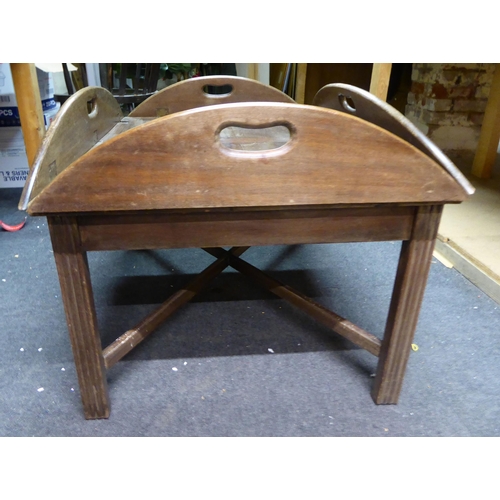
(131, 338)
(29, 103)
(379, 84)
(486, 151)
(409, 287)
(78, 300)
(253, 71)
(300, 89)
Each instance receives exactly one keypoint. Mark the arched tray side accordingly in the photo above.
(181, 162)
(372, 109)
(82, 121)
(190, 93)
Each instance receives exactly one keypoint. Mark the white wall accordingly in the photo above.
(263, 71)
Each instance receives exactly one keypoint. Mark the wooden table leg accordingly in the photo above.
(78, 300)
(409, 287)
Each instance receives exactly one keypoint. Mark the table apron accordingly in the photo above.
(253, 228)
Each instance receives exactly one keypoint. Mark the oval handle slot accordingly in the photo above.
(218, 90)
(248, 140)
(92, 107)
(347, 103)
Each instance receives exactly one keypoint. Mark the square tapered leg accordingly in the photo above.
(78, 300)
(409, 287)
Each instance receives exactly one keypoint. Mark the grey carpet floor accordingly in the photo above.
(237, 361)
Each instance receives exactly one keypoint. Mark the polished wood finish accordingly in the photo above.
(245, 227)
(131, 338)
(409, 287)
(239, 175)
(321, 314)
(78, 300)
(29, 103)
(155, 163)
(92, 113)
(193, 93)
(362, 104)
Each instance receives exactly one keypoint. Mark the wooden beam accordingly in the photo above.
(486, 152)
(379, 84)
(131, 338)
(29, 103)
(408, 292)
(300, 89)
(253, 71)
(78, 299)
(324, 316)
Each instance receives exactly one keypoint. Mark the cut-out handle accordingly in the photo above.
(372, 109)
(347, 103)
(92, 107)
(84, 118)
(218, 90)
(207, 91)
(255, 140)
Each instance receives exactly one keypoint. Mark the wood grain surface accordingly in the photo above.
(193, 93)
(239, 228)
(409, 287)
(358, 102)
(337, 323)
(78, 300)
(29, 104)
(83, 120)
(178, 161)
(238, 174)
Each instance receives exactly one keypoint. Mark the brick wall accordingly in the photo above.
(447, 102)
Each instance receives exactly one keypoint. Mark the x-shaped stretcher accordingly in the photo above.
(231, 258)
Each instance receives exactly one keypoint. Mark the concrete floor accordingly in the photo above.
(469, 234)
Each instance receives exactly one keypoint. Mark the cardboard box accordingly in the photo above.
(9, 112)
(14, 166)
